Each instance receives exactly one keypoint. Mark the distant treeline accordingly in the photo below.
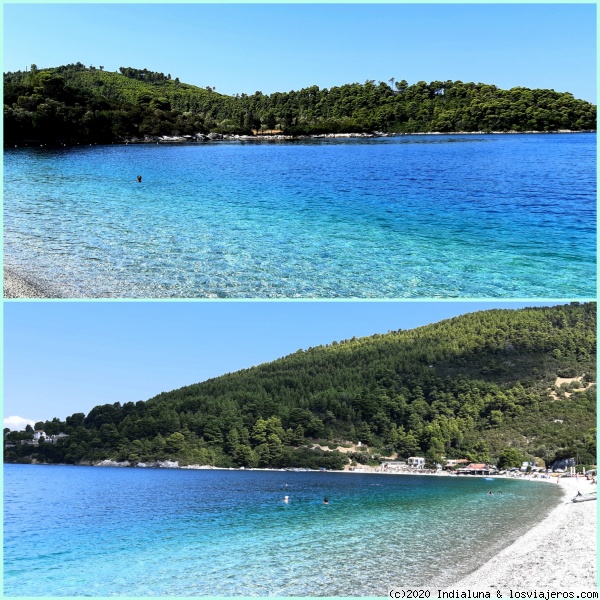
(79, 104)
(479, 386)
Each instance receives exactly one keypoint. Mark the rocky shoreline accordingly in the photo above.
(213, 137)
(219, 137)
(157, 464)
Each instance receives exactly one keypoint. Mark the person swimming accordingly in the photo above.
(139, 179)
(286, 499)
(326, 501)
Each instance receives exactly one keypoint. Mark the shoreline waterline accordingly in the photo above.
(566, 535)
(231, 137)
(560, 551)
(353, 501)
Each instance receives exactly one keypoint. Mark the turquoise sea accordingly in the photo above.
(92, 531)
(478, 216)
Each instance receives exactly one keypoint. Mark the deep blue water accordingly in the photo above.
(416, 216)
(91, 531)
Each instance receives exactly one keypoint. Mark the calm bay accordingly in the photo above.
(440, 216)
(103, 531)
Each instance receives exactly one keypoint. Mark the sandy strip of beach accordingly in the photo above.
(17, 287)
(557, 554)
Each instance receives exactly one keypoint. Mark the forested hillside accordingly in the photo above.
(469, 387)
(77, 104)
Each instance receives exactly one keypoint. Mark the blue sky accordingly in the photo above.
(243, 48)
(66, 357)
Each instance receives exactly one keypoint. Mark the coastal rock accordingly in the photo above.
(175, 138)
(262, 138)
(344, 135)
(112, 463)
(159, 464)
(213, 136)
(167, 464)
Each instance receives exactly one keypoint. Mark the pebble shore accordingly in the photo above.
(17, 287)
(557, 554)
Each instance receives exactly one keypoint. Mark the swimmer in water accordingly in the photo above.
(326, 501)
(139, 179)
(286, 499)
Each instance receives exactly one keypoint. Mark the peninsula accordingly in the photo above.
(74, 104)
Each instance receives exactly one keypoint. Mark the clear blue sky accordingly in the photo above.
(62, 357)
(243, 48)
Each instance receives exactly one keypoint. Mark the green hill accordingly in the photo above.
(469, 387)
(78, 104)
(135, 86)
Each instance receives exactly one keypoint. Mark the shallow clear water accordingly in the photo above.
(91, 531)
(415, 216)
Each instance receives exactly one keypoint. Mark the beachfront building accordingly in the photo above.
(416, 462)
(476, 469)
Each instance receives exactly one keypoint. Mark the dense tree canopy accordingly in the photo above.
(480, 386)
(75, 104)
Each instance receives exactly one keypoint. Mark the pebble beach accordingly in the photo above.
(17, 287)
(557, 554)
